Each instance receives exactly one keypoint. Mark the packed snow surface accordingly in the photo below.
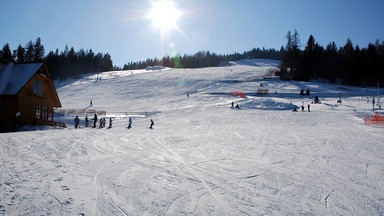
(202, 157)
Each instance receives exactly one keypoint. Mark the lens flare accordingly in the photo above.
(164, 15)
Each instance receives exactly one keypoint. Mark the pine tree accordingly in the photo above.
(347, 57)
(291, 65)
(357, 70)
(20, 54)
(39, 51)
(309, 60)
(30, 52)
(331, 62)
(319, 61)
(372, 67)
(6, 54)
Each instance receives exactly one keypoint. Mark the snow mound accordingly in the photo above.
(269, 104)
(155, 68)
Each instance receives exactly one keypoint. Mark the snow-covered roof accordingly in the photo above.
(13, 77)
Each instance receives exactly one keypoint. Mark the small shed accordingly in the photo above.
(27, 96)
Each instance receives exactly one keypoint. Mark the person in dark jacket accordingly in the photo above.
(77, 122)
(110, 123)
(151, 126)
(129, 123)
(94, 120)
(86, 121)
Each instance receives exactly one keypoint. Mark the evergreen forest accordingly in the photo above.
(347, 64)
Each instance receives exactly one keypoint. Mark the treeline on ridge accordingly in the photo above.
(71, 63)
(204, 59)
(348, 64)
(62, 65)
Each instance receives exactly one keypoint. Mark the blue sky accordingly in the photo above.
(122, 28)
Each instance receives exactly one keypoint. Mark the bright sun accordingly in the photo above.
(164, 15)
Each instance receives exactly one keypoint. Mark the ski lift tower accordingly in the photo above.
(378, 95)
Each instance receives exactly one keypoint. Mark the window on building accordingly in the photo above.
(37, 87)
(41, 112)
(38, 112)
(44, 114)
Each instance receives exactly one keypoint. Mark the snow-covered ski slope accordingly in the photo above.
(202, 157)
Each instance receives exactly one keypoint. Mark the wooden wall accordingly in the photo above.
(25, 103)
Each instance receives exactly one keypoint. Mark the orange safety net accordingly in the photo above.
(374, 119)
(239, 93)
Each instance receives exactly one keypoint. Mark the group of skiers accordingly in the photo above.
(235, 107)
(302, 108)
(102, 122)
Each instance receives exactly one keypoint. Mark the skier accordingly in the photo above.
(129, 123)
(77, 121)
(94, 121)
(110, 123)
(86, 121)
(309, 108)
(302, 107)
(151, 124)
(232, 105)
(101, 123)
(373, 104)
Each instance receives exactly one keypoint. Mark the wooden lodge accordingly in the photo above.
(27, 96)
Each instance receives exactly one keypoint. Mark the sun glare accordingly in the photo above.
(164, 15)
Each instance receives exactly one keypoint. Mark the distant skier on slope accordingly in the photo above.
(101, 123)
(129, 123)
(77, 122)
(152, 123)
(86, 121)
(110, 123)
(94, 120)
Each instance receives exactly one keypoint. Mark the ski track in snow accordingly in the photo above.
(201, 158)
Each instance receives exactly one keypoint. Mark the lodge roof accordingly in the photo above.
(13, 77)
